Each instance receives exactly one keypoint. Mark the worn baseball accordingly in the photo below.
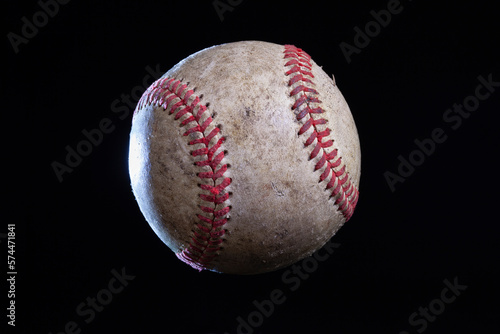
(244, 157)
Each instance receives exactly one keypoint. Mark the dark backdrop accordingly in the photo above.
(75, 66)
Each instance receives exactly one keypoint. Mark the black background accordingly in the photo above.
(394, 253)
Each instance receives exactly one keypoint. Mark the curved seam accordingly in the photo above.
(299, 67)
(174, 97)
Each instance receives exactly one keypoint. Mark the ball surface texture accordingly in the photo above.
(244, 157)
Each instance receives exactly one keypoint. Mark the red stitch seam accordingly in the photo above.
(299, 67)
(172, 95)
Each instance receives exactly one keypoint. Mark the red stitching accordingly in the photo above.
(173, 96)
(343, 189)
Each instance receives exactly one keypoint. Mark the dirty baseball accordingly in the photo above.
(244, 157)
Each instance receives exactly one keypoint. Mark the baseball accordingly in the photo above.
(244, 157)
